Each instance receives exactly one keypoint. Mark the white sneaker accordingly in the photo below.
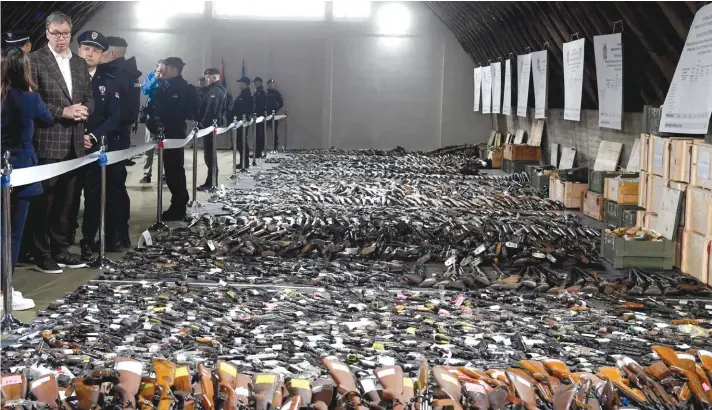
(18, 303)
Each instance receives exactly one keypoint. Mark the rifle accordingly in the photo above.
(265, 386)
(14, 387)
(301, 393)
(45, 390)
(165, 374)
(149, 393)
(182, 388)
(370, 390)
(540, 374)
(422, 387)
(523, 387)
(391, 379)
(129, 382)
(449, 392)
(565, 397)
(207, 388)
(652, 390)
(614, 375)
(345, 382)
(476, 393)
(86, 391)
(560, 370)
(323, 392)
(227, 383)
(706, 359)
(688, 367)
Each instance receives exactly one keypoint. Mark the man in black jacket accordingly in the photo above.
(274, 104)
(212, 107)
(244, 105)
(113, 61)
(260, 109)
(172, 103)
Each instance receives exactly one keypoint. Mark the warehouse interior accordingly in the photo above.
(449, 221)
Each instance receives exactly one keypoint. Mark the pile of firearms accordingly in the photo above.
(675, 382)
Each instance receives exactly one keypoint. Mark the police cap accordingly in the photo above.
(16, 38)
(270, 81)
(212, 71)
(174, 62)
(94, 39)
(244, 80)
(116, 42)
(257, 79)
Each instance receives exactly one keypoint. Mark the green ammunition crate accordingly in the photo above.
(597, 179)
(630, 217)
(633, 253)
(613, 213)
(540, 181)
(513, 167)
(531, 170)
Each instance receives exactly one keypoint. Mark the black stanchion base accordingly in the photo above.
(9, 322)
(159, 226)
(102, 262)
(254, 163)
(244, 170)
(234, 176)
(194, 204)
(274, 151)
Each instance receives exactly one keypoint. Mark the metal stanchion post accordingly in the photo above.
(254, 139)
(102, 262)
(194, 202)
(264, 136)
(214, 155)
(233, 132)
(286, 116)
(274, 133)
(244, 160)
(159, 225)
(8, 321)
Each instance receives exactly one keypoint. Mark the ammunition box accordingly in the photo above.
(643, 189)
(700, 175)
(513, 167)
(630, 217)
(680, 186)
(698, 211)
(568, 193)
(680, 163)
(696, 255)
(596, 180)
(514, 152)
(592, 205)
(657, 155)
(496, 158)
(531, 170)
(621, 190)
(653, 192)
(614, 213)
(540, 181)
(632, 253)
(644, 149)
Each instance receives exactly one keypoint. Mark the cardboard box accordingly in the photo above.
(644, 147)
(680, 163)
(568, 193)
(700, 175)
(655, 186)
(698, 204)
(592, 205)
(695, 255)
(521, 152)
(657, 154)
(496, 157)
(643, 189)
(622, 190)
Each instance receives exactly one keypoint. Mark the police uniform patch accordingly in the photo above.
(137, 85)
(116, 94)
(102, 89)
(94, 35)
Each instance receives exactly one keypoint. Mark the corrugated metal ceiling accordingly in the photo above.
(653, 37)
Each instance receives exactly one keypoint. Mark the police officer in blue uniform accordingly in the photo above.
(17, 39)
(244, 105)
(102, 122)
(260, 98)
(114, 62)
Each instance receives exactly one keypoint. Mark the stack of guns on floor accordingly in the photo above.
(674, 382)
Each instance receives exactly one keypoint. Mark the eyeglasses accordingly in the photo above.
(57, 35)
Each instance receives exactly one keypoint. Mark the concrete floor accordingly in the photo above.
(46, 288)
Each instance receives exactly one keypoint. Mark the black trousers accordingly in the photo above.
(260, 140)
(241, 137)
(208, 143)
(174, 166)
(276, 136)
(117, 203)
(52, 216)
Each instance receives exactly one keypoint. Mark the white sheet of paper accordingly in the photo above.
(524, 64)
(554, 154)
(567, 158)
(486, 90)
(688, 103)
(496, 87)
(634, 160)
(519, 137)
(608, 50)
(609, 153)
(507, 97)
(478, 84)
(539, 78)
(573, 79)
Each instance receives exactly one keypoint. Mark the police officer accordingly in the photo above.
(102, 122)
(244, 105)
(172, 103)
(260, 109)
(17, 39)
(274, 103)
(212, 107)
(114, 62)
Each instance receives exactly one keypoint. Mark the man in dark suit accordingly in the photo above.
(63, 82)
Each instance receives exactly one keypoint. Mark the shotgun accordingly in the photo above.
(560, 370)
(165, 375)
(149, 393)
(391, 379)
(182, 388)
(423, 398)
(207, 388)
(687, 365)
(614, 375)
(323, 392)
(524, 389)
(227, 383)
(449, 392)
(87, 392)
(45, 390)
(301, 394)
(564, 398)
(345, 383)
(129, 382)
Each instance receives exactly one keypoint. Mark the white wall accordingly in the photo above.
(344, 85)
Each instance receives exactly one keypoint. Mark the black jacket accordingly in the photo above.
(172, 103)
(260, 101)
(105, 118)
(213, 106)
(274, 100)
(129, 86)
(244, 104)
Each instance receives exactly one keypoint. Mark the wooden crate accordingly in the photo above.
(655, 185)
(643, 189)
(650, 221)
(496, 157)
(680, 162)
(700, 172)
(568, 193)
(658, 155)
(698, 211)
(644, 147)
(695, 255)
(521, 152)
(640, 219)
(592, 205)
(680, 186)
(622, 190)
